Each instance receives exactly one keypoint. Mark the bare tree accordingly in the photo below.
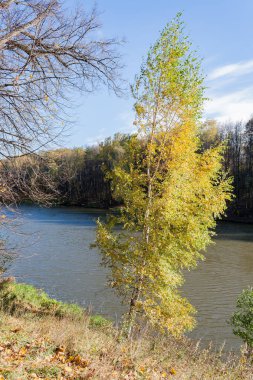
(26, 178)
(44, 52)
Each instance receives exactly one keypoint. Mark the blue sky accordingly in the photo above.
(222, 33)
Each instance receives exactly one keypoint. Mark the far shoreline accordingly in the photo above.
(114, 208)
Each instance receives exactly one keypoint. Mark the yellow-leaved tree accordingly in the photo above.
(172, 192)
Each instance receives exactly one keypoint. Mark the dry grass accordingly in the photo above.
(48, 347)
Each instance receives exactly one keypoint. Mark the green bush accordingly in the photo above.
(242, 319)
(17, 298)
(98, 321)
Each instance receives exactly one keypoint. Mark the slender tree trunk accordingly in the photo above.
(137, 291)
(132, 311)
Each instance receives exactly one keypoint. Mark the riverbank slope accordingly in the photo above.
(41, 338)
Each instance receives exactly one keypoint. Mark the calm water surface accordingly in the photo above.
(54, 254)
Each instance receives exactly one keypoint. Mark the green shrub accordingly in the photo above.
(98, 321)
(242, 319)
(17, 298)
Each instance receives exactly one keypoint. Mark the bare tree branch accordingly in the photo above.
(22, 28)
(44, 54)
(6, 4)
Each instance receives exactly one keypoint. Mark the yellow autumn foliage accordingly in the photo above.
(172, 192)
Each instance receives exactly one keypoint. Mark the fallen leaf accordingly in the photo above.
(22, 351)
(173, 371)
(78, 360)
(60, 349)
(17, 329)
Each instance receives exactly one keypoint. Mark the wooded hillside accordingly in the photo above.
(76, 176)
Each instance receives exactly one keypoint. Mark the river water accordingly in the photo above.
(54, 254)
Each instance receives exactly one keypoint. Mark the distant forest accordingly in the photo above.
(238, 161)
(77, 176)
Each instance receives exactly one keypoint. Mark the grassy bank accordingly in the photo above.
(46, 339)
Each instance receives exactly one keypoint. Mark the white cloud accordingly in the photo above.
(237, 105)
(230, 93)
(235, 69)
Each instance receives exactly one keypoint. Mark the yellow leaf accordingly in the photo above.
(173, 371)
(59, 349)
(22, 351)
